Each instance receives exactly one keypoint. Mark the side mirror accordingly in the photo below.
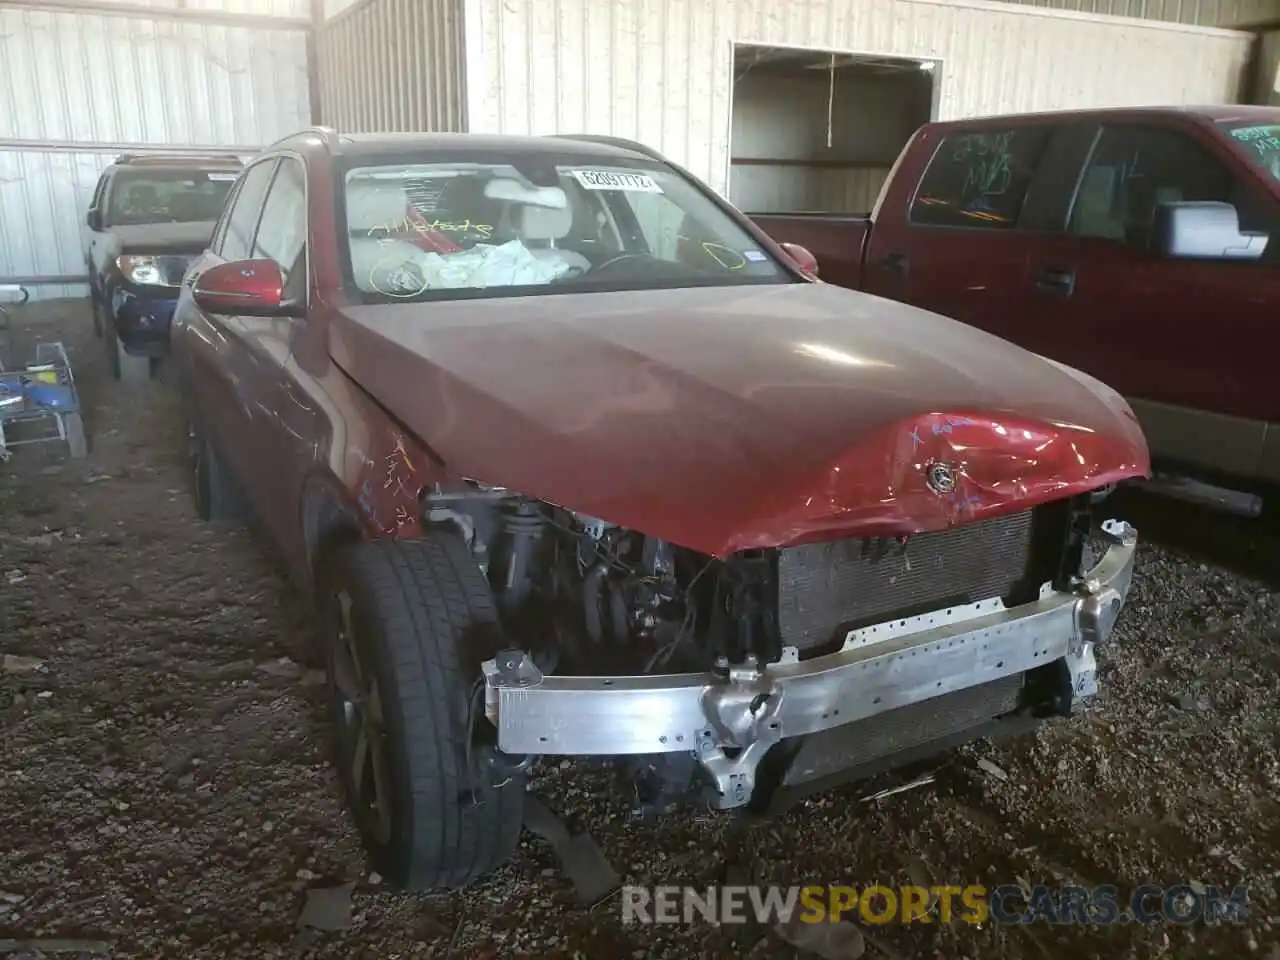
(1203, 230)
(94, 220)
(801, 257)
(249, 288)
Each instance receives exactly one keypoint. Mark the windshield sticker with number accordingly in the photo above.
(604, 180)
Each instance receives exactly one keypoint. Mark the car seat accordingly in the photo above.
(540, 227)
(373, 207)
(143, 198)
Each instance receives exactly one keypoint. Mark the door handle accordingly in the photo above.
(1057, 281)
(895, 263)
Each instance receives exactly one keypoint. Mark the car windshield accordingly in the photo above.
(544, 224)
(168, 196)
(1260, 143)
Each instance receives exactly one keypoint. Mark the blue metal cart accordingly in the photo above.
(40, 396)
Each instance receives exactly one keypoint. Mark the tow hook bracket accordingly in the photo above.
(593, 877)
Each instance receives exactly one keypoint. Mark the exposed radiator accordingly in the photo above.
(827, 589)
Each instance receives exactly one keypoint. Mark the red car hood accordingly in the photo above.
(724, 419)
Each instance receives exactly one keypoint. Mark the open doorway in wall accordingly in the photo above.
(817, 131)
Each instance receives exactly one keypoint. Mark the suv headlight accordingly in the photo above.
(143, 270)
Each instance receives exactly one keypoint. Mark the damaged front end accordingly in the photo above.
(757, 678)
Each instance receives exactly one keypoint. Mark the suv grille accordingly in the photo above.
(827, 589)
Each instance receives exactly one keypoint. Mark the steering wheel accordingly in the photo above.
(620, 258)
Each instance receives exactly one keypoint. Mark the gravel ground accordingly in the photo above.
(165, 789)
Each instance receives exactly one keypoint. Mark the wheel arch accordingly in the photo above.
(330, 519)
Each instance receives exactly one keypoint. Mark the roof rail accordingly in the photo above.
(326, 134)
(620, 142)
(203, 156)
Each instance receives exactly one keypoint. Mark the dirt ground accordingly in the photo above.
(164, 788)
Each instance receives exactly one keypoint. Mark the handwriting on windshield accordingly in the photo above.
(393, 276)
(727, 257)
(483, 231)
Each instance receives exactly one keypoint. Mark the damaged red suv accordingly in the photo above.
(577, 462)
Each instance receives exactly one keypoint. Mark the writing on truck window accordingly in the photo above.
(988, 168)
(979, 178)
(1260, 145)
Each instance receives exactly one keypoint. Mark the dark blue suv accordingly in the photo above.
(150, 215)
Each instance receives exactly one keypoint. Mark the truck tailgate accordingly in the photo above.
(836, 241)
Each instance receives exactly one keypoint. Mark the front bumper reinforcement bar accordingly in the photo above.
(749, 708)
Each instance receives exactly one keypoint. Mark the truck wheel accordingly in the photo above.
(407, 625)
(216, 494)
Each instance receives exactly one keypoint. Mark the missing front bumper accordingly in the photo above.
(732, 720)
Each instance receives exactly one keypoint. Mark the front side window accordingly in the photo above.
(242, 220)
(98, 192)
(282, 234)
(1135, 169)
(979, 178)
(167, 196)
(552, 224)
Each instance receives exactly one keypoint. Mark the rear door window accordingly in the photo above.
(1134, 169)
(979, 178)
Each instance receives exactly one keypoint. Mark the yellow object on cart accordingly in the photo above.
(43, 374)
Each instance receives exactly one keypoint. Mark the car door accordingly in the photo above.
(282, 238)
(1182, 339)
(960, 248)
(226, 360)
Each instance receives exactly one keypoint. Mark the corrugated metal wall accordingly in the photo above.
(660, 71)
(78, 88)
(1206, 13)
(271, 8)
(393, 65)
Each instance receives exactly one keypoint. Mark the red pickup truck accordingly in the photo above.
(1129, 243)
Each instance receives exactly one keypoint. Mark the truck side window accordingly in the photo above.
(979, 178)
(1134, 169)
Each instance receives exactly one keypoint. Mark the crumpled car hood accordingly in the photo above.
(725, 419)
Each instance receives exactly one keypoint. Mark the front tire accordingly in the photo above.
(124, 366)
(216, 494)
(407, 625)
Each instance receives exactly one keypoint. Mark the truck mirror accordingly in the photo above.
(1204, 230)
(94, 220)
